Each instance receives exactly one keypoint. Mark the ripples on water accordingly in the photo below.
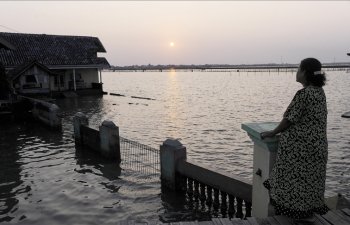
(206, 111)
(45, 180)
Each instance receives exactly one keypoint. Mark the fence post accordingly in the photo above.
(79, 120)
(171, 151)
(110, 143)
(263, 159)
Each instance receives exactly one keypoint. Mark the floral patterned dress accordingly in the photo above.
(297, 180)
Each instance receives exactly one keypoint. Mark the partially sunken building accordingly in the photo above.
(42, 64)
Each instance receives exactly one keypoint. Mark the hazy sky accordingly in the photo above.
(202, 32)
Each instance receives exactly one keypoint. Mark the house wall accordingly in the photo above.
(41, 83)
(88, 76)
(83, 78)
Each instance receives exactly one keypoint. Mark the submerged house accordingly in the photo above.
(52, 64)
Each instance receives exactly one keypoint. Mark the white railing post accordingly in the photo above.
(100, 70)
(263, 159)
(74, 84)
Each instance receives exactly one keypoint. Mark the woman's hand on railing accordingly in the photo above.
(267, 134)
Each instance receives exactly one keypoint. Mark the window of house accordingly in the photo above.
(30, 79)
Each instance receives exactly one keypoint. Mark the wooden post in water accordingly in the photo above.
(263, 159)
(79, 120)
(171, 151)
(110, 143)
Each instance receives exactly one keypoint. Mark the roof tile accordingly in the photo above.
(51, 50)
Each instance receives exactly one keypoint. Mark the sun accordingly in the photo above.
(172, 44)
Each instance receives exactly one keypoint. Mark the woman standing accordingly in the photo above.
(297, 181)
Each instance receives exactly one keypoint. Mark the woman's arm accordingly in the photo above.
(282, 126)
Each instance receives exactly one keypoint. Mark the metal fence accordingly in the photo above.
(139, 157)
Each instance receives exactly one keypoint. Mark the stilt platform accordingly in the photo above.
(333, 217)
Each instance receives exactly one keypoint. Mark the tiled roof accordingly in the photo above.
(50, 50)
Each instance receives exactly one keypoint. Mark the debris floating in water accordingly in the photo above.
(346, 115)
(117, 94)
(143, 98)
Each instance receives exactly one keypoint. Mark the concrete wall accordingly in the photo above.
(46, 112)
(90, 137)
(105, 140)
(89, 76)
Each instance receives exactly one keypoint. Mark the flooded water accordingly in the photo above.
(45, 180)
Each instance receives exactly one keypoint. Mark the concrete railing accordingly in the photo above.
(229, 183)
(46, 112)
(174, 167)
(203, 182)
(105, 140)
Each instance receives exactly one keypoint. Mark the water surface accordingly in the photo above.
(45, 180)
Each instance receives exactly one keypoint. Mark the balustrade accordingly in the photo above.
(208, 197)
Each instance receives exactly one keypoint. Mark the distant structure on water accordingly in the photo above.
(269, 67)
(40, 64)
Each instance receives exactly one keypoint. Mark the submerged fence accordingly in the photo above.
(107, 141)
(216, 193)
(205, 189)
(139, 157)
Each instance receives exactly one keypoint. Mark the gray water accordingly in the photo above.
(45, 180)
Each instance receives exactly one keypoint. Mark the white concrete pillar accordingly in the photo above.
(79, 120)
(74, 84)
(265, 151)
(100, 75)
(171, 151)
(110, 143)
